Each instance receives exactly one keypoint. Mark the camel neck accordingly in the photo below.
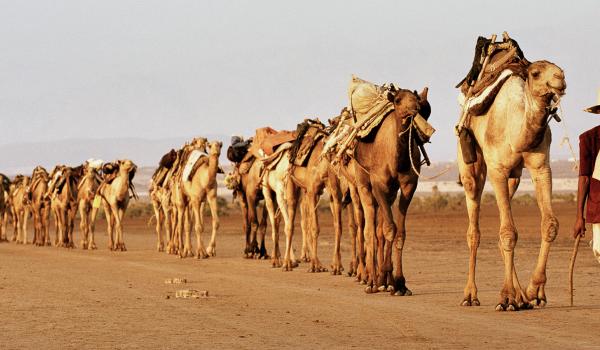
(213, 165)
(534, 122)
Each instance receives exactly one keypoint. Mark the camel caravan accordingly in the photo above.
(63, 193)
(366, 160)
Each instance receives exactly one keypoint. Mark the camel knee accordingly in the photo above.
(400, 237)
(470, 186)
(549, 228)
(508, 238)
(473, 238)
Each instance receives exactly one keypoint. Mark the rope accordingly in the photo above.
(566, 138)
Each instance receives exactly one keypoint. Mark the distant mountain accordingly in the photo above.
(23, 157)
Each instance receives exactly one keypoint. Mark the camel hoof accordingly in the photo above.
(499, 307)
(371, 290)
(92, 246)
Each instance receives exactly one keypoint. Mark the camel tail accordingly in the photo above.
(572, 266)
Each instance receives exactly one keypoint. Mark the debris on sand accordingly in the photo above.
(191, 293)
(175, 281)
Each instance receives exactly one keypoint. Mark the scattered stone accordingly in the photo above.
(191, 293)
(175, 281)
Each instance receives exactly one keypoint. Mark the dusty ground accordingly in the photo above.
(74, 299)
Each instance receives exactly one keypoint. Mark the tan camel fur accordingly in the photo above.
(382, 167)
(511, 135)
(62, 192)
(115, 199)
(248, 198)
(86, 194)
(21, 207)
(40, 206)
(202, 187)
(5, 206)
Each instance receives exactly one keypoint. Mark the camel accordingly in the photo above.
(62, 191)
(281, 196)
(202, 187)
(21, 207)
(513, 134)
(382, 166)
(248, 195)
(87, 203)
(160, 199)
(114, 192)
(312, 180)
(40, 206)
(4, 205)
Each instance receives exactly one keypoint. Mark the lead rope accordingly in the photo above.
(566, 138)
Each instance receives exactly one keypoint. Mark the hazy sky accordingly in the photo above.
(157, 69)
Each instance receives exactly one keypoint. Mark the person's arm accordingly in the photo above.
(583, 189)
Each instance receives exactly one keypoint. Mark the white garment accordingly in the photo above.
(596, 240)
(596, 173)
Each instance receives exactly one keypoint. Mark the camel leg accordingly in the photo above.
(313, 223)
(336, 211)
(408, 186)
(359, 218)
(352, 229)
(158, 215)
(187, 240)
(542, 177)
(472, 177)
(261, 232)
(168, 229)
(83, 224)
(387, 234)
(214, 214)
(304, 228)
(246, 227)
(35, 227)
(119, 212)
(250, 225)
(199, 229)
(508, 239)
(71, 213)
(288, 204)
(92, 228)
(110, 225)
(270, 205)
(368, 205)
(24, 227)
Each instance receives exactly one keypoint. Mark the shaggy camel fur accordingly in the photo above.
(86, 194)
(382, 167)
(248, 195)
(511, 135)
(115, 199)
(40, 206)
(200, 188)
(21, 207)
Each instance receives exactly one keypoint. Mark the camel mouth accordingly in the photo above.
(558, 90)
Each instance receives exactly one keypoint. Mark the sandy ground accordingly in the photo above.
(54, 298)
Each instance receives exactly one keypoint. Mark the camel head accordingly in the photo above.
(199, 143)
(546, 80)
(408, 103)
(127, 165)
(214, 148)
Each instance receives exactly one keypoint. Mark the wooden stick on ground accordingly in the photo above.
(572, 266)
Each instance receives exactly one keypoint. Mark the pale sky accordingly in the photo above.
(161, 69)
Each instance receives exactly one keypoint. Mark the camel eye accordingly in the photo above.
(535, 74)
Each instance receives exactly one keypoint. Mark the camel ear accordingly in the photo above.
(390, 97)
(423, 94)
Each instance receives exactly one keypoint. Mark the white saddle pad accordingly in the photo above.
(192, 159)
